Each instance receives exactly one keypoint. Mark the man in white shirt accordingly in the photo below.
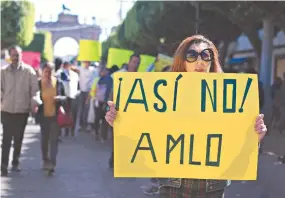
(70, 80)
(87, 74)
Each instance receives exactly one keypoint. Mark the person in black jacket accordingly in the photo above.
(51, 96)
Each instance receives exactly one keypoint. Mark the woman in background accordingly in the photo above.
(50, 91)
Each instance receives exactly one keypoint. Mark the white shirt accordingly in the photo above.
(71, 86)
(4, 62)
(121, 70)
(86, 77)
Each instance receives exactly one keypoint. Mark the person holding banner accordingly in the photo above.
(194, 54)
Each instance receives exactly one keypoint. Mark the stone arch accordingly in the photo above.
(56, 36)
(66, 46)
(67, 25)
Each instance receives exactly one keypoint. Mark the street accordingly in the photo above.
(82, 172)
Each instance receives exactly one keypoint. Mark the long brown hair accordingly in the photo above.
(179, 57)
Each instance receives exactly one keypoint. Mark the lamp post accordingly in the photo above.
(197, 15)
(197, 7)
(265, 72)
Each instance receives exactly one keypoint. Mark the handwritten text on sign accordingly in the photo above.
(186, 125)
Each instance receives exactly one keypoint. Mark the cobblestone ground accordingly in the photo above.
(82, 172)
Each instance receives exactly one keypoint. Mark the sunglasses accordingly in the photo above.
(192, 55)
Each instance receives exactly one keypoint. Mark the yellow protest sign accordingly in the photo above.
(146, 60)
(186, 125)
(162, 61)
(89, 50)
(118, 57)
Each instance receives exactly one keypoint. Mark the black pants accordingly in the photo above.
(100, 112)
(14, 125)
(83, 109)
(49, 139)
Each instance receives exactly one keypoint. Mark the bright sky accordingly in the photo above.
(106, 13)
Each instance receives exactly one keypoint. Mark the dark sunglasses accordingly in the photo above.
(206, 55)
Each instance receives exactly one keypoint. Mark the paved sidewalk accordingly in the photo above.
(274, 142)
(270, 182)
(82, 172)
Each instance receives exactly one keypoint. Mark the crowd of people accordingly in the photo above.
(57, 96)
(61, 94)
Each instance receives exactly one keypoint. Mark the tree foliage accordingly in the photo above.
(111, 42)
(42, 43)
(147, 22)
(17, 23)
(248, 16)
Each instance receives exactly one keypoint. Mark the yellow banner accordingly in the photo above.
(186, 125)
(89, 50)
(118, 57)
(162, 62)
(146, 60)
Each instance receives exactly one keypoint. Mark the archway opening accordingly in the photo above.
(66, 48)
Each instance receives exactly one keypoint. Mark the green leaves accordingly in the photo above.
(42, 42)
(147, 22)
(17, 22)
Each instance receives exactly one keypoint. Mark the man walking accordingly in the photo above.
(19, 86)
(87, 74)
(70, 80)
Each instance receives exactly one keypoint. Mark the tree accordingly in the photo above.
(147, 22)
(42, 43)
(111, 42)
(248, 16)
(17, 23)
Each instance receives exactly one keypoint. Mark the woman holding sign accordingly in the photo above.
(195, 54)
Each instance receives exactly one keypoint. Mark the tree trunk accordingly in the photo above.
(223, 52)
(255, 41)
